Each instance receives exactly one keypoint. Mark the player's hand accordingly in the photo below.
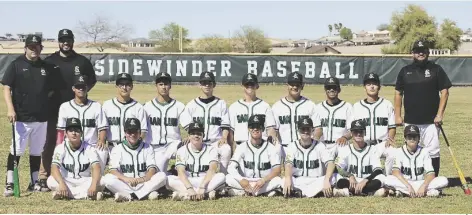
(63, 191)
(398, 120)
(223, 141)
(412, 192)
(200, 194)
(11, 115)
(129, 180)
(389, 142)
(245, 185)
(287, 186)
(360, 186)
(192, 194)
(352, 183)
(92, 191)
(259, 184)
(342, 141)
(327, 190)
(422, 191)
(101, 145)
(438, 120)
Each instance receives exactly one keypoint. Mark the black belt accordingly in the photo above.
(239, 142)
(375, 142)
(329, 142)
(114, 143)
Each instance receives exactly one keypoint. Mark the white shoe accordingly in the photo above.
(272, 193)
(185, 197)
(122, 197)
(55, 195)
(380, 192)
(212, 195)
(8, 190)
(153, 195)
(432, 193)
(176, 196)
(99, 196)
(341, 192)
(235, 192)
(398, 194)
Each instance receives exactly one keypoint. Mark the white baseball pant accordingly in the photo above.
(78, 188)
(163, 153)
(310, 186)
(224, 154)
(429, 138)
(437, 183)
(32, 134)
(175, 184)
(268, 186)
(388, 154)
(115, 185)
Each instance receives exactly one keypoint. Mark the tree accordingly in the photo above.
(449, 36)
(382, 27)
(330, 27)
(213, 44)
(102, 34)
(253, 40)
(168, 38)
(340, 26)
(8, 35)
(336, 27)
(346, 33)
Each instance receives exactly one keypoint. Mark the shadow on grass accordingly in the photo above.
(456, 182)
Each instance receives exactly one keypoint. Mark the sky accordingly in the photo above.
(278, 19)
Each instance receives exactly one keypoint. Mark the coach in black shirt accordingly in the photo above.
(419, 84)
(70, 64)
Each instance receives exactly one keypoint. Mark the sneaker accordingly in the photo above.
(212, 195)
(341, 192)
(43, 185)
(432, 193)
(8, 190)
(380, 192)
(272, 193)
(398, 194)
(153, 195)
(222, 192)
(36, 187)
(99, 196)
(176, 196)
(56, 196)
(122, 197)
(236, 192)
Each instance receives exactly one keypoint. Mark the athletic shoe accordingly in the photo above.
(176, 196)
(122, 197)
(398, 194)
(212, 195)
(56, 196)
(380, 192)
(236, 192)
(8, 190)
(34, 187)
(272, 193)
(432, 193)
(153, 195)
(99, 196)
(43, 185)
(341, 192)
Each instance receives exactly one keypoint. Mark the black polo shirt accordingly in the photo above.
(30, 83)
(421, 88)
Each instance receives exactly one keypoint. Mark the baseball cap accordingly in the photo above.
(411, 130)
(295, 78)
(305, 123)
(371, 76)
(357, 125)
(163, 76)
(65, 33)
(195, 127)
(331, 81)
(420, 45)
(249, 78)
(207, 76)
(124, 77)
(132, 124)
(80, 80)
(256, 121)
(73, 123)
(33, 40)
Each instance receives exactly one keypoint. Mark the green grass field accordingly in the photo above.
(457, 126)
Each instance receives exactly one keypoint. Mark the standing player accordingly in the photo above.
(27, 84)
(91, 115)
(163, 115)
(413, 172)
(241, 110)
(363, 174)
(134, 174)
(212, 113)
(332, 118)
(255, 165)
(75, 173)
(197, 165)
(304, 163)
(292, 109)
(378, 115)
(122, 107)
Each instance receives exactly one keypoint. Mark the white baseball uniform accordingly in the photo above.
(378, 117)
(29, 133)
(133, 163)
(307, 167)
(213, 116)
(76, 168)
(239, 113)
(287, 114)
(163, 130)
(334, 120)
(414, 168)
(196, 165)
(253, 164)
(360, 163)
(117, 113)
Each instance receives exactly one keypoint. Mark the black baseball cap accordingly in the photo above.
(371, 77)
(411, 130)
(163, 76)
(196, 127)
(331, 81)
(295, 78)
(305, 123)
(249, 78)
(256, 121)
(357, 125)
(132, 124)
(80, 80)
(73, 123)
(65, 33)
(207, 76)
(420, 45)
(124, 77)
(33, 40)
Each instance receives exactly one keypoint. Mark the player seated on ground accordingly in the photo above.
(75, 173)
(304, 160)
(255, 166)
(133, 172)
(363, 173)
(197, 165)
(413, 172)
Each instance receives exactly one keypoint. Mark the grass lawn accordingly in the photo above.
(457, 124)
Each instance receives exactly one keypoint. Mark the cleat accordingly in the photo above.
(398, 194)
(176, 196)
(43, 185)
(212, 195)
(341, 192)
(153, 195)
(432, 193)
(8, 190)
(380, 192)
(99, 196)
(235, 192)
(122, 197)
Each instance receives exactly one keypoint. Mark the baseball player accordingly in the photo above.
(379, 117)
(212, 113)
(292, 109)
(122, 107)
(75, 173)
(360, 166)
(255, 165)
(332, 118)
(163, 114)
(413, 173)
(133, 172)
(303, 165)
(197, 164)
(92, 118)
(241, 110)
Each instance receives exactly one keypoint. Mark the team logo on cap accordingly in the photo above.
(65, 32)
(371, 75)
(81, 78)
(358, 123)
(74, 120)
(132, 122)
(207, 75)
(34, 39)
(331, 80)
(196, 125)
(420, 44)
(123, 75)
(249, 77)
(305, 121)
(412, 129)
(295, 76)
(163, 75)
(256, 119)
(77, 70)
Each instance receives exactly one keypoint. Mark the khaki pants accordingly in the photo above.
(46, 156)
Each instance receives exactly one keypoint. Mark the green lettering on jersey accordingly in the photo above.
(340, 123)
(285, 120)
(198, 119)
(113, 121)
(89, 123)
(215, 120)
(156, 121)
(242, 118)
(69, 167)
(127, 168)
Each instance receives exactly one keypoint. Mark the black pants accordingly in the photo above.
(371, 186)
(436, 164)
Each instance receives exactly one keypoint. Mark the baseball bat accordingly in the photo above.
(459, 171)
(16, 178)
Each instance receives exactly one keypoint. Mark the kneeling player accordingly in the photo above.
(133, 168)
(413, 172)
(75, 173)
(303, 165)
(361, 165)
(196, 165)
(255, 166)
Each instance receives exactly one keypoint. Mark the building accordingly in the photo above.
(319, 49)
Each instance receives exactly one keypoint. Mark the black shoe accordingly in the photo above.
(33, 187)
(43, 185)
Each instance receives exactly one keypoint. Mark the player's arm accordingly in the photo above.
(102, 128)
(96, 168)
(56, 164)
(399, 86)
(271, 126)
(318, 131)
(397, 165)
(211, 171)
(90, 73)
(234, 165)
(180, 162)
(443, 85)
(328, 160)
(8, 81)
(143, 119)
(151, 165)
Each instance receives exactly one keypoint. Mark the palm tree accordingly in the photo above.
(340, 25)
(336, 27)
(330, 27)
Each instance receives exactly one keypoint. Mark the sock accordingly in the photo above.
(35, 163)
(342, 183)
(436, 163)
(10, 167)
(372, 186)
